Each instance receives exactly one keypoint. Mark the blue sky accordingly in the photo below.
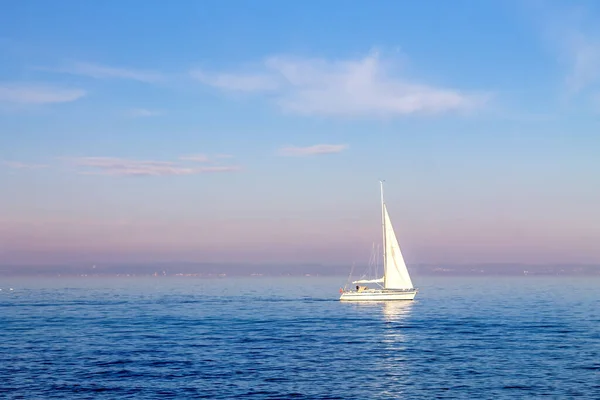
(258, 131)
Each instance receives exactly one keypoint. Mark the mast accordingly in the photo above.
(383, 230)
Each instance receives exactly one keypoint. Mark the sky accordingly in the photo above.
(229, 131)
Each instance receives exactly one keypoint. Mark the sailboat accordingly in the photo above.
(395, 283)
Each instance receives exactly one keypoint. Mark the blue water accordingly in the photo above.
(263, 338)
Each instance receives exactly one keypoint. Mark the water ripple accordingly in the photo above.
(293, 339)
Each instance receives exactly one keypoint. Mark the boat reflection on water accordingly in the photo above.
(392, 341)
(395, 341)
(396, 311)
(391, 311)
(396, 315)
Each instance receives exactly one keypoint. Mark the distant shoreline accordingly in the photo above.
(197, 270)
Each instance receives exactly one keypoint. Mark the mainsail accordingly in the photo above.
(395, 273)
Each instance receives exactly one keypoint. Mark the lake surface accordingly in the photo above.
(278, 338)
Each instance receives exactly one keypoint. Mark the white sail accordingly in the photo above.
(396, 274)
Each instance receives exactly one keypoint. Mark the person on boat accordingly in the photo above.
(357, 287)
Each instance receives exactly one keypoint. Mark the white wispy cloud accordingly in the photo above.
(143, 112)
(21, 165)
(244, 82)
(37, 94)
(312, 150)
(196, 158)
(99, 71)
(203, 158)
(585, 60)
(573, 33)
(123, 166)
(363, 86)
(217, 168)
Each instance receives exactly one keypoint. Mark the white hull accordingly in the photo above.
(378, 295)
